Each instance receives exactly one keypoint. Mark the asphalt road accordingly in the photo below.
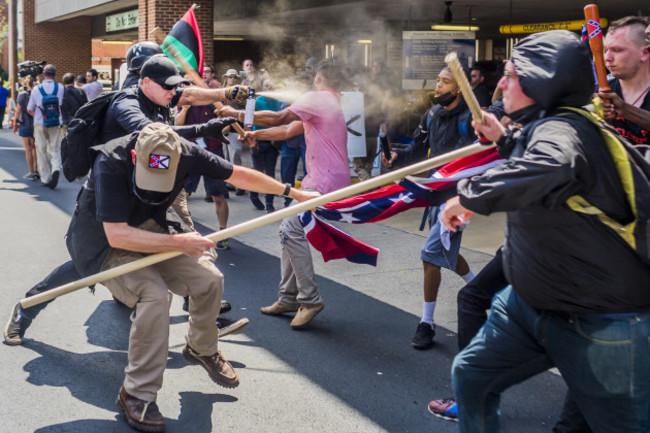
(352, 370)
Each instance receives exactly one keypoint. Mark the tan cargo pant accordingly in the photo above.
(147, 291)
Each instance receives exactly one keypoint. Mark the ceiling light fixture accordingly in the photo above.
(454, 28)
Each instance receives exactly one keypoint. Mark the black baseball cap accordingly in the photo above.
(162, 70)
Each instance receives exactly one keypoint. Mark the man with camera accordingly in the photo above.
(45, 105)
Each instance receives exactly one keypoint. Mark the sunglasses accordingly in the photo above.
(166, 86)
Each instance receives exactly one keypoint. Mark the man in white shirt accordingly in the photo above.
(47, 138)
(93, 88)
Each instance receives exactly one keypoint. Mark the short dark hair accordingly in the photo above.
(638, 23)
(209, 66)
(68, 78)
(49, 71)
(81, 79)
(93, 72)
(480, 70)
(332, 73)
(465, 71)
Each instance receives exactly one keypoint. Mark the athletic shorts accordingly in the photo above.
(433, 251)
(212, 186)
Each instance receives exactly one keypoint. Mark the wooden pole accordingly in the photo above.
(244, 227)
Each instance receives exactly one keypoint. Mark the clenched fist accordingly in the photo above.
(237, 94)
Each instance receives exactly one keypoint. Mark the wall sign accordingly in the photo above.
(122, 21)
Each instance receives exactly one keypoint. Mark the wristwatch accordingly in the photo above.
(287, 189)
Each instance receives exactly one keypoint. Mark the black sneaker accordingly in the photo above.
(423, 338)
(16, 326)
(225, 306)
(257, 203)
(55, 180)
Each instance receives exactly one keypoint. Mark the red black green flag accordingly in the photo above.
(185, 37)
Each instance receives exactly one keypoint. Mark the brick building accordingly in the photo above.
(73, 44)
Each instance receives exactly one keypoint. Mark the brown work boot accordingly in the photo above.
(278, 308)
(305, 314)
(219, 370)
(141, 415)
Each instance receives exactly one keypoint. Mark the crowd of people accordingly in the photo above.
(563, 290)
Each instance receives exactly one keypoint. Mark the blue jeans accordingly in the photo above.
(605, 362)
(289, 158)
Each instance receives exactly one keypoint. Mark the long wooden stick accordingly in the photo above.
(595, 33)
(244, 227)
(198, 81)
(468, 94)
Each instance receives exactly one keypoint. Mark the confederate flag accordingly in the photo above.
(388, 201)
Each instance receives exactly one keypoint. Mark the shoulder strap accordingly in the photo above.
(624, 168)
(40, 89)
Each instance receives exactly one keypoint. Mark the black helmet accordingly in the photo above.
(140, 53)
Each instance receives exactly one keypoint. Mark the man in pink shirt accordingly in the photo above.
(318, 114)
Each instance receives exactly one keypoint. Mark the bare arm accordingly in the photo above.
(614, 104)
(280, 132)
(181, 115)
(199, 96)
(262, 118)
(17, 116)
(253, 180)
(123, 236)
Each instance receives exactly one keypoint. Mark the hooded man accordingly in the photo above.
(578, 297)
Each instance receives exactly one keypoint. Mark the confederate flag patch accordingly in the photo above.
(159, 161)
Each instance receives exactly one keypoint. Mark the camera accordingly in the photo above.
(31, 68)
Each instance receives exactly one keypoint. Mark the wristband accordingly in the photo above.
(287, 189)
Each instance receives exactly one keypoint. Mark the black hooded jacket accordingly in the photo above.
(557, 259)
(439, 131)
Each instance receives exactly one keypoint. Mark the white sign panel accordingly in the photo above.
(352, 106)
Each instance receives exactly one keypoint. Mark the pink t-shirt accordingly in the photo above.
(326, 136)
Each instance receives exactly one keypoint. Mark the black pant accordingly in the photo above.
(64, 274)
(473, 302)
(264, 160)
(475, 298)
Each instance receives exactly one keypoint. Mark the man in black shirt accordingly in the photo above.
(131, 111)
(73, 98)
(121, 217)
(481, 91)
(628, 59)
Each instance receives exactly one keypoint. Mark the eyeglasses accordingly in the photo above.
(508, 75)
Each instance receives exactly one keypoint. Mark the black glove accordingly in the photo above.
(237, 94)
(213, 128)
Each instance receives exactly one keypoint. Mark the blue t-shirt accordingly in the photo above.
(4, 94)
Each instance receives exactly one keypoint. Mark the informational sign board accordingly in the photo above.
(423, 55)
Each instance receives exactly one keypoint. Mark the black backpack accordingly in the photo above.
(76, 154)
(633, 167)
